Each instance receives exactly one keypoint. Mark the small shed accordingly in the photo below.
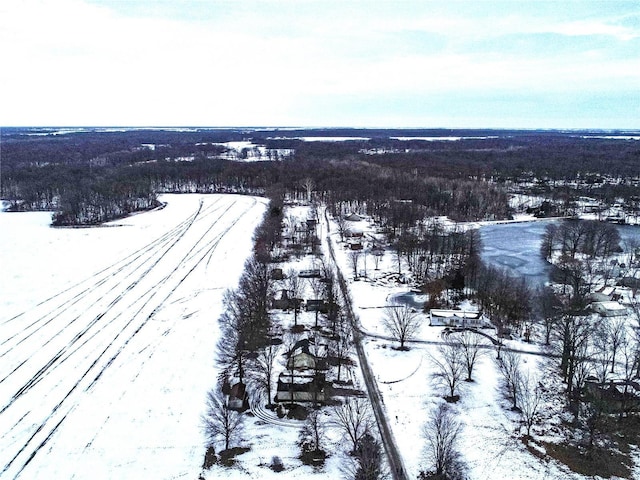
(310, 273)
(238, 398)
(277, 274)
(317, 305)
(356, 246)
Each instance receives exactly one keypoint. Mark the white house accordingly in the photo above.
(456, 318)
(609, 309)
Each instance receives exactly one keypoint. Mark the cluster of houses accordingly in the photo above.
(304, 378)
(606, 302)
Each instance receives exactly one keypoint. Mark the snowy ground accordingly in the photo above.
(107, 340)
(491, 442)
(107, 337)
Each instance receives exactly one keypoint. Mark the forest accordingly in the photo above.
(95, 175)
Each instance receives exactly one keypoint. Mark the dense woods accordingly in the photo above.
(93, 176)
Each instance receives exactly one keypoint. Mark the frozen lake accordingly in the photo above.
(516, 247)
(107, 337)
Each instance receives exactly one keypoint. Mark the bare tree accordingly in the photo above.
(332, 296)
(441, 432)
(378, 253)
(354, 418)
(343, 227)
(472, 347)
(601, 352)
(529, 400)
(230, 349)
(220, 422)
(634, 309)
(629, 365)
(449, 368)
(253, 298)
(308, 185)
(402, 323)
(549, 306)
(264, 369)
(317, 287)
(366, 461)
(573, 332)
(617, 337)
(509, 366)
(368, 455)
(549, 241)
(354, 260)
(313, 434)
(341, 347)
(294, 289)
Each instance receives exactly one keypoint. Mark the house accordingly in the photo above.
(300, 387)
(630, 282)
(306, 361)
(353, 217)
(620, 395)
(301, 361)
(609, 309)
(605, 294)
(284, 301)
(317, 305)
(311, 273)
(456, 318)
(304, 377)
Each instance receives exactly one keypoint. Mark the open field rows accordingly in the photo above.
(107, 346)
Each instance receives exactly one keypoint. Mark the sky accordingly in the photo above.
(450, 64)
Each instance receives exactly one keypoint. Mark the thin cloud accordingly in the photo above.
(223, 63)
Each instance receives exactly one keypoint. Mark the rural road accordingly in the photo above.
(394, 458)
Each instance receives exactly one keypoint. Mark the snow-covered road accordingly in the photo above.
(105, 378)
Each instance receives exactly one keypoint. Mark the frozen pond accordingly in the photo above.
(516, 247)
(412, 299)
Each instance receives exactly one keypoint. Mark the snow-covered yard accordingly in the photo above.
(491, 444)
(107, 337)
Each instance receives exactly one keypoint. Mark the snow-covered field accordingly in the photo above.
(107, 337)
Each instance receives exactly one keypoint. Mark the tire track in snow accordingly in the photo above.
(208, 250)
(34, 380)
(108, 272)
(195, 255)
(159, 247)
(114, 302)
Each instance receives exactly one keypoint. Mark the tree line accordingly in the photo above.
(77, 173)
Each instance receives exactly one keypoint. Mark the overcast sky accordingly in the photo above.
(512, 64)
